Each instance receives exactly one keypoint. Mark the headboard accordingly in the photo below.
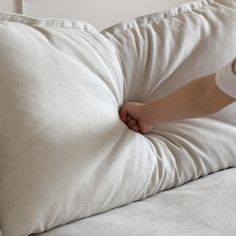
(101, 13)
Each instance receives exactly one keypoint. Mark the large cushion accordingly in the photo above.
(64, 152)
(160, 53)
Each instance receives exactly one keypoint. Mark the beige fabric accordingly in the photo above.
(64, 152)
(205, 206)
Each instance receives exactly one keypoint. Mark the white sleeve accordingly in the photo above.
(226, 79)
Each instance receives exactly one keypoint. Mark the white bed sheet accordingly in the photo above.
(206, 206)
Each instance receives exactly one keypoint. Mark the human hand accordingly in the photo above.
(137, 117)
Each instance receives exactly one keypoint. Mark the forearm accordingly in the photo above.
(182, 104)
(198, 98)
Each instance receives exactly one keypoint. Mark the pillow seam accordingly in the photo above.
(50, 22)
(172, 13)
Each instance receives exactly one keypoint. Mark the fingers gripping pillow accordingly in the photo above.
(64, 153)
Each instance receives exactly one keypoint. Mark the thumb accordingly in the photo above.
(123, 114)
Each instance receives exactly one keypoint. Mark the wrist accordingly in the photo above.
(153, 114)
(161, 111)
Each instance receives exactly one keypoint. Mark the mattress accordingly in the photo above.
(205, 206)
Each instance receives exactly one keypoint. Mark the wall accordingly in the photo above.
(7, 5)
(101, 13)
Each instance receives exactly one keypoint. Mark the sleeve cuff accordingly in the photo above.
(226, 79)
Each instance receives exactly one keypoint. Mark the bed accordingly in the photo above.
(69, 166)
(203, 207)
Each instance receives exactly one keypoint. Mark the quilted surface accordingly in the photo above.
(64, 152)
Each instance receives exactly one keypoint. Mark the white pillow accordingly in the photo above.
(64, 152)
(160, 53)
